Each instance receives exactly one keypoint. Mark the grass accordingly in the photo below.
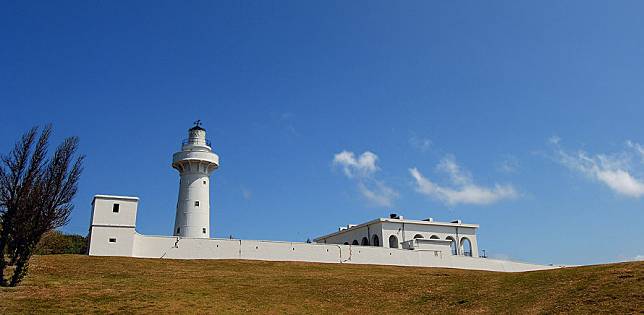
(82, 284)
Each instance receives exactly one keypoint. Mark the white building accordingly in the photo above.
(453, 237)
(195, 162)
(384, 241)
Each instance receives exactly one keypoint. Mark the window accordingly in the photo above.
(376, 240)
(115, 208)
(204, 230)
(355, 242)
(418, 236)
(196, 203)
(112, 239)
(452, 245)
(178, 229)
(204, 182)
(365, 241)
(466, 246)
(393, 242)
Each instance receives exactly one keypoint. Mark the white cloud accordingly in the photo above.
(615, 170)
(639, 258)
(420, 144)
(362, 170)
(378, 194)
(456, 174)
(363, 166)
(463, 189)
(637, 148)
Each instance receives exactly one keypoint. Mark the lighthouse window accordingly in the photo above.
(204, 230)
(204, 182)
(115, 208)
(112, 239)
(196, 203)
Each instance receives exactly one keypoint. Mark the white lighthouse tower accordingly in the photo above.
(195, 162)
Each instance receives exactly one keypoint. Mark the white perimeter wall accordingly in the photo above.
(173, 247)
(120, 227)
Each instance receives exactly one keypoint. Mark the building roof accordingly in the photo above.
(115, 197)
(197, 127)
(406, 221)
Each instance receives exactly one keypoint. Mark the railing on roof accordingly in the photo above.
(187, 141)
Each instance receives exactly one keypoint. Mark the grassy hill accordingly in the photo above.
(74, 283)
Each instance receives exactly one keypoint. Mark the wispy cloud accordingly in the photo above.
(246, 193)
(362, 169)
(509, 165)
(419, 143)
(637, 147)
(462, 190)
(616, 170)
(377, 192)
(287, 120)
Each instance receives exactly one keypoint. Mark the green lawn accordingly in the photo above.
(81, 284)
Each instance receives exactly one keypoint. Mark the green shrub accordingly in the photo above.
(56, 242)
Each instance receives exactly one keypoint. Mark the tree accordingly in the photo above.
(56, 242)
(35, 197)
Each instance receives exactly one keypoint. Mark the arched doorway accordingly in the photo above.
(393, 241)
(452, 244)
(418, 236)
(365, 241)
(355, 242)
(376, 241)
(466, 247)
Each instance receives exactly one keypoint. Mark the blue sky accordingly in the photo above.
(524, 117)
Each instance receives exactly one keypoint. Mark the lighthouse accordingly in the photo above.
(195, 162)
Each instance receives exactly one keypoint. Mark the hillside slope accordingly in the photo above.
(74, 283)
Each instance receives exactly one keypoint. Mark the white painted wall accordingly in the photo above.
(404, 232)
(195, 248)
(195, 162)
(123, 245)
(129, 243)
(356, 234)
(106, 225)
(103, 210)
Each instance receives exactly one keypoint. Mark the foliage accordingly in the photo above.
(35, 197)
(56, 242)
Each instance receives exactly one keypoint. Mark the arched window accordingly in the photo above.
(418, 236)
(376, 241)
(355, 242)
(393, 241)
(434, 237)
(466, 246)
(452, 244)
(365, 241)
(346, 243)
